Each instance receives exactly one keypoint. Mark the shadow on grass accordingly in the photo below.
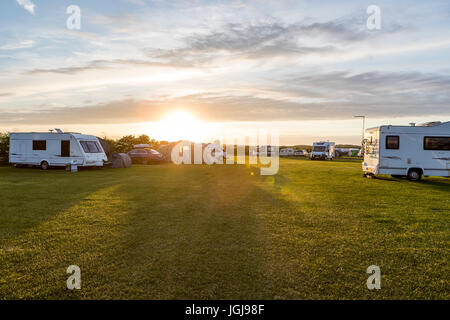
(432, 182)
(441, 185)
(29, 197)
(208, 233)
(199, 232)
(195, 237)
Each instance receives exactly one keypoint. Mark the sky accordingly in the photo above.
(304, 68)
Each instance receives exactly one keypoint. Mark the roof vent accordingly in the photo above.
(58, 130)
(412, 124)
(431, 124)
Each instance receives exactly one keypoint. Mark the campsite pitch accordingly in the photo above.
(221, 232)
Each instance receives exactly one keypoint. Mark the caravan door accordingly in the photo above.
(65, 148)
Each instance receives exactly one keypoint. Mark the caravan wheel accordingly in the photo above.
(44, 165)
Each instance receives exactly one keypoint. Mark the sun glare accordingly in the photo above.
(181, 118)
(180, 125)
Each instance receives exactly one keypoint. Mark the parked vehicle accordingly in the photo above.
(323, 150)
(267, 150)
(287, 152)
(59, 149)
(410, 151)
(145, 155)
(353, 152)
(300, 153)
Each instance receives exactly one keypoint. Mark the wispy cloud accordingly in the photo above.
(104, 64)
(18, 45)
(138, 2)
(27, 5)
(232, 42)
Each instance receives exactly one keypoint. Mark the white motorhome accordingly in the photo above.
(47, 149)
(323, 150)
(410, 151)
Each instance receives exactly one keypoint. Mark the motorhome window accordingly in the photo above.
(319, 148)
(90, 147)
(436, 143)
(392, 142)
(39, 145)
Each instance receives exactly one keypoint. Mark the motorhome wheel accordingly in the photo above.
(414, 175)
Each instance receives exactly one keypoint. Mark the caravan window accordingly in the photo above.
(91, 147)
(392, 142)
(436, 143)
(39, 145)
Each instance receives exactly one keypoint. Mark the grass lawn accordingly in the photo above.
(219, 232)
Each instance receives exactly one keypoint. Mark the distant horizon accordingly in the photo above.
(285, 139)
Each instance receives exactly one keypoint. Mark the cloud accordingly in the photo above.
(104, 64)
(18, 45)
(232, 42)
(138, 2)
(27, 5)
(337, 95)
(266, 40)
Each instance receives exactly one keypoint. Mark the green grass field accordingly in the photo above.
(221, 232)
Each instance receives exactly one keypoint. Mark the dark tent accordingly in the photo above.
(106, 147)
(120, 160)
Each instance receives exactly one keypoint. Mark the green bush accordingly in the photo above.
(126, 143)
(4, 148)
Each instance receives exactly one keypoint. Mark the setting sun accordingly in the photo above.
(179, 118)
(180, 125)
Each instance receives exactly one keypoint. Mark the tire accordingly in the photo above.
(44, 165)
(414, 175)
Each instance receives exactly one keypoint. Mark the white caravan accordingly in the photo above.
(410, 151)
(55, 149)
(267, 150)
(287, 152)
(323, 150)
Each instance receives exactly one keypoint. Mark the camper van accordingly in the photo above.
(47, 149)
(323, 150)
(410, 151)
